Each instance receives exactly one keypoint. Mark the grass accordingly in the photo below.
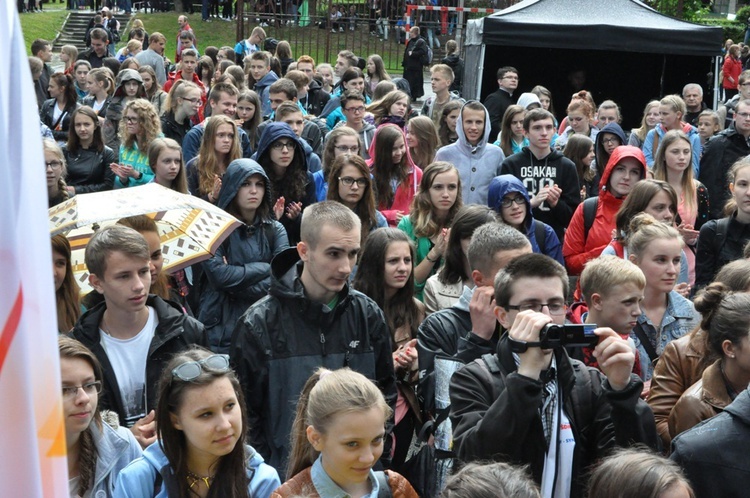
(41, 25)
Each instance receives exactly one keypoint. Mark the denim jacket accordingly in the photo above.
(679, 319)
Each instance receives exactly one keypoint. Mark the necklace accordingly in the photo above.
(194, 479)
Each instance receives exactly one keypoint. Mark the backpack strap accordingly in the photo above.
(491, 362)
(589, 214)
(645, 342)
(722, 227)
(384, 488)
(655, 142)
(541, 236)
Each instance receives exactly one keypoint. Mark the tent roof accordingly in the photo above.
(618, 25)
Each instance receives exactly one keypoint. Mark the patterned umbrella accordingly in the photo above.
(190, 228)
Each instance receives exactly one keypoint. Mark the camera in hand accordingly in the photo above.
(569, 335)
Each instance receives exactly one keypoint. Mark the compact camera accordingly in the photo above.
(570, 335)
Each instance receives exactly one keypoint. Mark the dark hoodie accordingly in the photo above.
(283, 338)
(600, 154)
(503, 185)
(538, 172)
(273, 132)
(240, 272)
(578, 248)
(316, 99)
(111, 126)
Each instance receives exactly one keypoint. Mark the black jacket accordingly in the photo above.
(90, 100)
(719, 154)
(713, 252)
(496, 103)
(60, 127)
(174, 130)
(455, 63)
(712, 453)
(284, 337)
(88, 169)
(496, 415)
(174, 333)
(413, 53)
(316, 99)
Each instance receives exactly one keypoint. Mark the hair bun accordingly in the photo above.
(641, 220)
(709, 300)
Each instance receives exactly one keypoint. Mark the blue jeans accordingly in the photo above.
(204, 9)
(430, 35)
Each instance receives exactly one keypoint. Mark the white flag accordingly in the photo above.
(32, 446)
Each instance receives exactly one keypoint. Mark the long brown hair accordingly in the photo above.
(74, 142)
(231, 479)
(424, 130)
(576, 149)
(71, 349)
(141, 224)
(506, 135)
(67, 296)
(382, 165)
(365, 208)
(401, 309)
(207, 161)
(422, 211)
(453, 105)
(159, 145)
(689, 192)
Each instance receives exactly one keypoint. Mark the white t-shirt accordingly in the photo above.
(128, 358)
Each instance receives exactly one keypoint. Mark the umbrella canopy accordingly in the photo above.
(190, 229)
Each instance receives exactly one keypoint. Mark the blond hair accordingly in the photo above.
(644, 229)
(604, 273)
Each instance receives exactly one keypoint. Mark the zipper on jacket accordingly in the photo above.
(323, 343)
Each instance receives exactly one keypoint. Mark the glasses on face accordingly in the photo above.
(192, 101)
(348, 181)
(743, 115)
(508, 202)
(283, 145)
(611, 141)
(70, 392)
(53, 164)
(131, 119)
(355, 110)
(191, 370)
(354, 149)
(554, 308)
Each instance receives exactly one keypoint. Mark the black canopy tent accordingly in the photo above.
(617, 49)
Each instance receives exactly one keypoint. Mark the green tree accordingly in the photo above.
(689, 10)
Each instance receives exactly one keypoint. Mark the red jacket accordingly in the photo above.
(577, 251)
(731, 69)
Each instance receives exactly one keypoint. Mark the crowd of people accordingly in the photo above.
(521, 303)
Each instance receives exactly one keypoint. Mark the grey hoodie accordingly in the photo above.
(477, 165)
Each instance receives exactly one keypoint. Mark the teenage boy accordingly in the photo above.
(441, 79)
(246, 48)
(550, 177)
(316, 99)
(132, 333)
(477, 160)
(223, 100)
(612, 288)
(531, 406)
(43, 50)
(260, 70)
(498, 101)
(188, 64)
(468, 329)
(353, 105)
(344, 60)
(310, 319)
(284, 90)
(97, 52)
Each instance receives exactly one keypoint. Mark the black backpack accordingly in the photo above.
(589, 213)
(541, 236)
